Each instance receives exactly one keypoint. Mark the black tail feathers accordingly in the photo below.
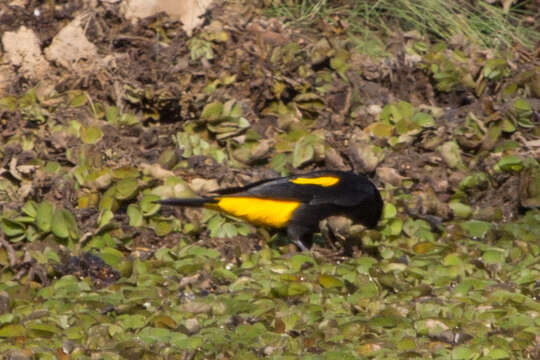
(187, 202)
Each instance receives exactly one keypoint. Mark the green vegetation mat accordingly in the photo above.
(437, 102)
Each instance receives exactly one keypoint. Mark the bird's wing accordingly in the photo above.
(302, 188)
(240, 189)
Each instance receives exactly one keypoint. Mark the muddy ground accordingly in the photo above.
(85, 62)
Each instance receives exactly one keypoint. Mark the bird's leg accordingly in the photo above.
(300, 245)
(300, 236)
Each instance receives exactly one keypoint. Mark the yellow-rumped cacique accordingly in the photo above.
(296, 202)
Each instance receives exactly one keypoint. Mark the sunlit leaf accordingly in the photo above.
(64, 225)
(44, 216)
(91, 134)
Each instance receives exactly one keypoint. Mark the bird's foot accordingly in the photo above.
(301, 245)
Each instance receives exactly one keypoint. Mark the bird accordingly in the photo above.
(296, 202)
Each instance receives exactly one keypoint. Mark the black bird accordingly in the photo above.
(297, 202)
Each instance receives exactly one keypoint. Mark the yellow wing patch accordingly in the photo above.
(322, 181)
(266, 212)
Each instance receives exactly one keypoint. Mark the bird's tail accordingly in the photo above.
(194, 202)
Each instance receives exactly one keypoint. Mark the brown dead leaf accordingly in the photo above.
(389, 175)
(155, 170)
(23, 50)
(70, 46)
(202, 186)
(189, 12)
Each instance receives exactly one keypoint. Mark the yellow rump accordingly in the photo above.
(266, 212)
(322, 181)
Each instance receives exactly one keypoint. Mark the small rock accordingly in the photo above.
(196, 307)
(374, 109)
(192, 326)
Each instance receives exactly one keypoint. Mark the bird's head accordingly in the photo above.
(366, 200)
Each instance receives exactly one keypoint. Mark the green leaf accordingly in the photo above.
(44, 216)
(151, 335)
(125, 172)
(423, 247)
(460, 210)
(279, 162)
(135, 321)
(406, 344)
(498, 353)
(495, 69)
(108, 202)
(224, 275)
(112, 114)
(228, 230)
(423, 119)
(340, 62)
(394, 228)
(463, 353)
(476, 228)
(12, 330)
(126, 189)
(148, 206)
(215, 224)
(494, 256)
(7, 318)
(197, 251)
(128, 119)
(290, 289)
(232, 109)
(42, 329)
(329, 282)
(161, 228)
(139, 267)
(200, 48)
(389, 211)
(508, 126)
(509, 163)
(523, 108)
(30, 209)
(299, 260)
(8, 103)
(105, 217)
(304, 151)
(212, 112)
(135, 215)
(52, 167)
(91, 134)
(12, 228)
(183, 341)
(381, 130)
(78, 99)
(474, 180)
(64, 225)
